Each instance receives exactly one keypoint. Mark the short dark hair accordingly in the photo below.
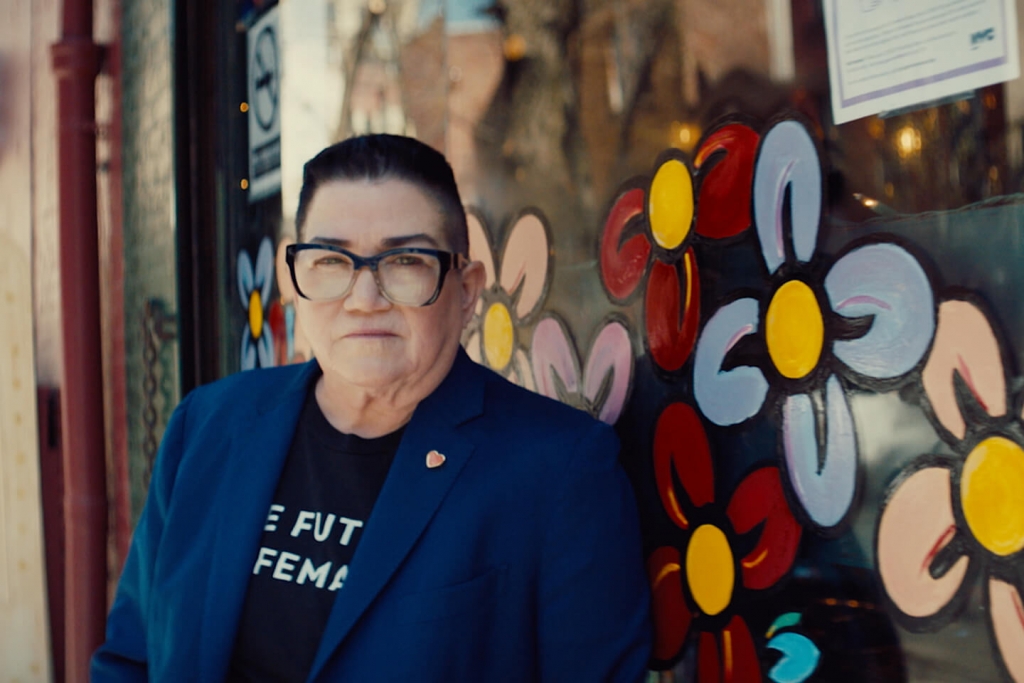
(384, 157)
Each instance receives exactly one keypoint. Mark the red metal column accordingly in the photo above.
(76, 62)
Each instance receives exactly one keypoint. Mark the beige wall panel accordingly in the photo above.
(45, 30)
(24, 647)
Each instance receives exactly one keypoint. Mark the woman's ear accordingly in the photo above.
(472, 284)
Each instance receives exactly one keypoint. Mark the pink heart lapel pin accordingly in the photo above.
(435, 459)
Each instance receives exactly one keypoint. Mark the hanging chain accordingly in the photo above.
(159, 328)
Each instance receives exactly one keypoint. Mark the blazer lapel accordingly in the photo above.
(255, 457)
(409, 498)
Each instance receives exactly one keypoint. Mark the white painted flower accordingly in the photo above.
(254, 287)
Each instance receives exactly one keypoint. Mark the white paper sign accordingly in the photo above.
(264, 75)
(890, 54)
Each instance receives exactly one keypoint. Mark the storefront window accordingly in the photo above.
(806, 334)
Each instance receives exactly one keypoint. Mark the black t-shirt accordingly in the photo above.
(325, 494)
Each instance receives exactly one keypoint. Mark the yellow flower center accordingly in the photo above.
(255, 314)
(498, 337)
(794, 329)
(710, 569)
(992, 492)
(670, 207)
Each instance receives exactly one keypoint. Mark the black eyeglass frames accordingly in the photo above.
(408, 276)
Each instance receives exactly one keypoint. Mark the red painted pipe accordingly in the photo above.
(76, 63)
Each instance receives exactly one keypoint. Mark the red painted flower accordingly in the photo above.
(699, 583)
(648, 230)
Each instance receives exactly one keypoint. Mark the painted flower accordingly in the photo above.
(651, 227)
(800, 656)
(722, 554)
(867, 318)
(512, 296)
(949, 520)
(604, 384)
(254, 287)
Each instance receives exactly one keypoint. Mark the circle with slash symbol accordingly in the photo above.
(265, 79)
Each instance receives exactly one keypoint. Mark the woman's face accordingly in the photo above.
(363, 339)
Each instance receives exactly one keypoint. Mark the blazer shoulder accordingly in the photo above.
(533, 438)
(248, 389)
(538, 416)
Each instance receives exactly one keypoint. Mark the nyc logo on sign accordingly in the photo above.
(983, 36)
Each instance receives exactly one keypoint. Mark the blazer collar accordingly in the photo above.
(411, 495)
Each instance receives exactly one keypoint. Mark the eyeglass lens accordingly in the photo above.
(404, 278)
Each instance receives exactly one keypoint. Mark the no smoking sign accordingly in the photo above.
(264, 76)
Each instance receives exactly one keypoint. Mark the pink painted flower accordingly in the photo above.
(512, 295)
(949, 521)
(602, 387)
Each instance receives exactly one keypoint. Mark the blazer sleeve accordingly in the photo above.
(123, 657)
(594, 599)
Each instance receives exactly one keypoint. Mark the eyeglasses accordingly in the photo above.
(408, 276)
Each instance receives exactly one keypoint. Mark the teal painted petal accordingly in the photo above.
(784, 621)
(799, 658)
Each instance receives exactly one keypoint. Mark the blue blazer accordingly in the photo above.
(518, 559)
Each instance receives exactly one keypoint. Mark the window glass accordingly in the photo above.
(805, 334)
